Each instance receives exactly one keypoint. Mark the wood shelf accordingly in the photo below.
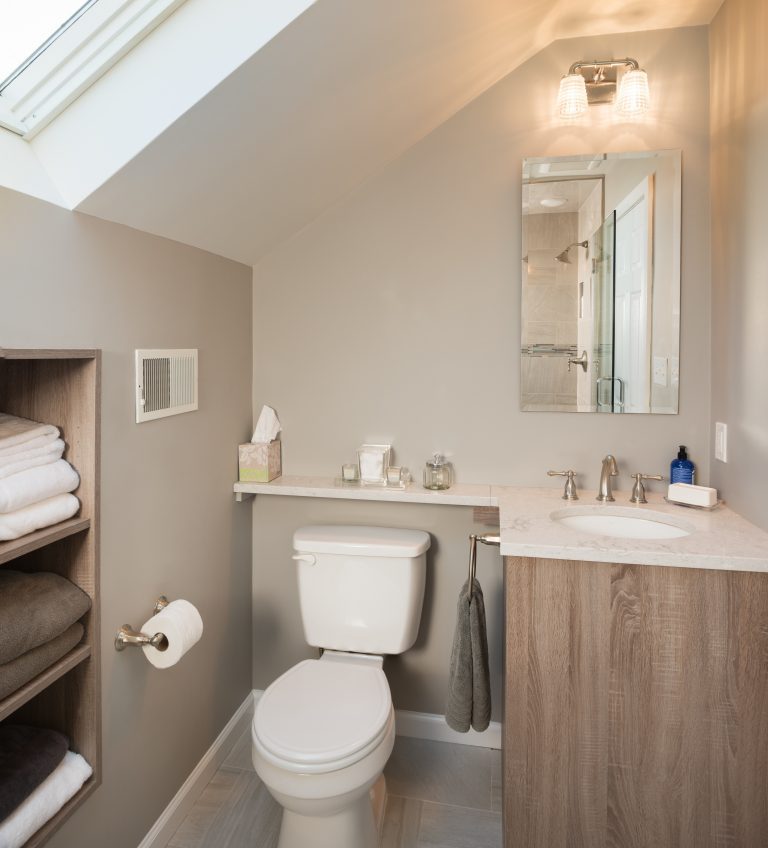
(43, 680)
(62, 387)
(40, 538)
(41, 835)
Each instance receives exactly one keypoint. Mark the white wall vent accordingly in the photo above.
(166, 383)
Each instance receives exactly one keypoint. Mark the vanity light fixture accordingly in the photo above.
(594, 82)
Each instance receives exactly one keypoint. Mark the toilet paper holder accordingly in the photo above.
(127, 637)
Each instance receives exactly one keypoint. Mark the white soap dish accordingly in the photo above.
(694, 506)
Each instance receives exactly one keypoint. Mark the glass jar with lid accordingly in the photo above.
(438, 473)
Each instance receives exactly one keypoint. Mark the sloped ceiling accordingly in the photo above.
(340, 92)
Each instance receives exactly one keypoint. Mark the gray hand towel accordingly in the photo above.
(35, 608)
(27, 756)
(18, 672)
(469, 684)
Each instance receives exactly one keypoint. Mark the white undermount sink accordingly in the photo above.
(622, 523)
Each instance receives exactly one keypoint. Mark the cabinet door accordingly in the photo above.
(636, 706)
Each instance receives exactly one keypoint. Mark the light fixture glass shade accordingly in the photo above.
(572, 97)
(633, 98)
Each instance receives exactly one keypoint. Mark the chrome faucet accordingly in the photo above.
(609, 469)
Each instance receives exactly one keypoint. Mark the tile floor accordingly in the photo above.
(440, 796)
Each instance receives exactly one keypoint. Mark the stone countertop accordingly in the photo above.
(718, 539)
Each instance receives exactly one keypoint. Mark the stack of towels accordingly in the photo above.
(35, 482)
(38, 775)
(39, 624)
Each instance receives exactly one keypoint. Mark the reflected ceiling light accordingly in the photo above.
(591, 83)
(553, 202)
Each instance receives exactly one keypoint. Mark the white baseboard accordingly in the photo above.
(183, 801)
(431, 726)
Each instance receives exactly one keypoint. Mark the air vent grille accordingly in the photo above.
(166, 383)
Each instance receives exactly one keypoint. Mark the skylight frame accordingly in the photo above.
(80, 52)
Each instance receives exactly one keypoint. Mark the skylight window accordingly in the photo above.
(28, 26)
(51, 51)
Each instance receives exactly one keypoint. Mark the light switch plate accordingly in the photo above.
(721, 441)
(660, 370)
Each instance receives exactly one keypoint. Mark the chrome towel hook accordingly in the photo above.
(486, 539)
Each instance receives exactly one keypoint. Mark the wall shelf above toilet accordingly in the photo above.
(465, 494)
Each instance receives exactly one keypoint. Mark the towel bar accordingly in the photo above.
(486, 539)
(127, 637)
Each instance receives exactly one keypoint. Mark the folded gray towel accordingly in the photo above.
(469, 684)
(27, 756)
(34, 608)
(15, 674)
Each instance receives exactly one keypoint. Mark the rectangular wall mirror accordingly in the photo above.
(600, 328)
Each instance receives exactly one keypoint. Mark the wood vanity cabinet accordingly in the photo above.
(636, 706)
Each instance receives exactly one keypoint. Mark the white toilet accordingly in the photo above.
(323, 732)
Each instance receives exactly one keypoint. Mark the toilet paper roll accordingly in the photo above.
(182, 625)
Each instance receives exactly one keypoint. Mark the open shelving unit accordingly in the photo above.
(62, 387)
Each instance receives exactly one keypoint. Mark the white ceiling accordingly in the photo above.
(334, 97)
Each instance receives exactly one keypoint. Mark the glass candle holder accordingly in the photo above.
(438, 473)
(350, 472)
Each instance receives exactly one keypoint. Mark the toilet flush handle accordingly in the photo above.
(308, 558)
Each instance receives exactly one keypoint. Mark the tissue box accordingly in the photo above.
(260, 462)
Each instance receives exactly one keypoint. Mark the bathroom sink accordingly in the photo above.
(622, 523)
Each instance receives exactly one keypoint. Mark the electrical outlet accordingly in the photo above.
(674, 367)
(660, 370)
(721, 441)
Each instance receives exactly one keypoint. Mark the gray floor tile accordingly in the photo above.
(401, 823)
(192, 832)
(496, 778)
(248, 816)
(444, 826)
(441, 772)
(240, 755)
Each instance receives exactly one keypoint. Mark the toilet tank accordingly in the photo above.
(361, 588)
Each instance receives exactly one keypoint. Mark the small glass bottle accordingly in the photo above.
(438, 473)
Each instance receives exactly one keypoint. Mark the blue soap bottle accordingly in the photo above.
(682, 469)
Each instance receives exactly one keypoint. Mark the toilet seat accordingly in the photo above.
(321, 716)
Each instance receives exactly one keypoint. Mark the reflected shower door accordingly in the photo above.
(632, 341)
(604, 398)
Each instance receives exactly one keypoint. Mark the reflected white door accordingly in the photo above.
(632, 304)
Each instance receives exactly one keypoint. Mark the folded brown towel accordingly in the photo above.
(15, 674)
(35, 608)
(27, 756)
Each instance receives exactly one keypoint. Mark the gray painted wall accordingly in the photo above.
(169, 522)
(740, 285)
(395, 317)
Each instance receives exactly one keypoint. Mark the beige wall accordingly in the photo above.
(395, 317)
(169, 522)
(739, 116)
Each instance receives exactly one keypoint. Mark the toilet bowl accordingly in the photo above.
(323, 731)
(322, 734)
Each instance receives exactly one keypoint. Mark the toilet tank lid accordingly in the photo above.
(360, 541)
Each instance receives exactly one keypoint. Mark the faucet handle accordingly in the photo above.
(569, 493)
(638, 490)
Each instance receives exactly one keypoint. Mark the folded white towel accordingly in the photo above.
(13, 525)
(37, 484)
(43, 804)
(16, 431)
(21, 461)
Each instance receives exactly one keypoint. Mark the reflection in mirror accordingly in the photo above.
(601, 283)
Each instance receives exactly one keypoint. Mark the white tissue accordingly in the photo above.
(267, 427)
(182, 625)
